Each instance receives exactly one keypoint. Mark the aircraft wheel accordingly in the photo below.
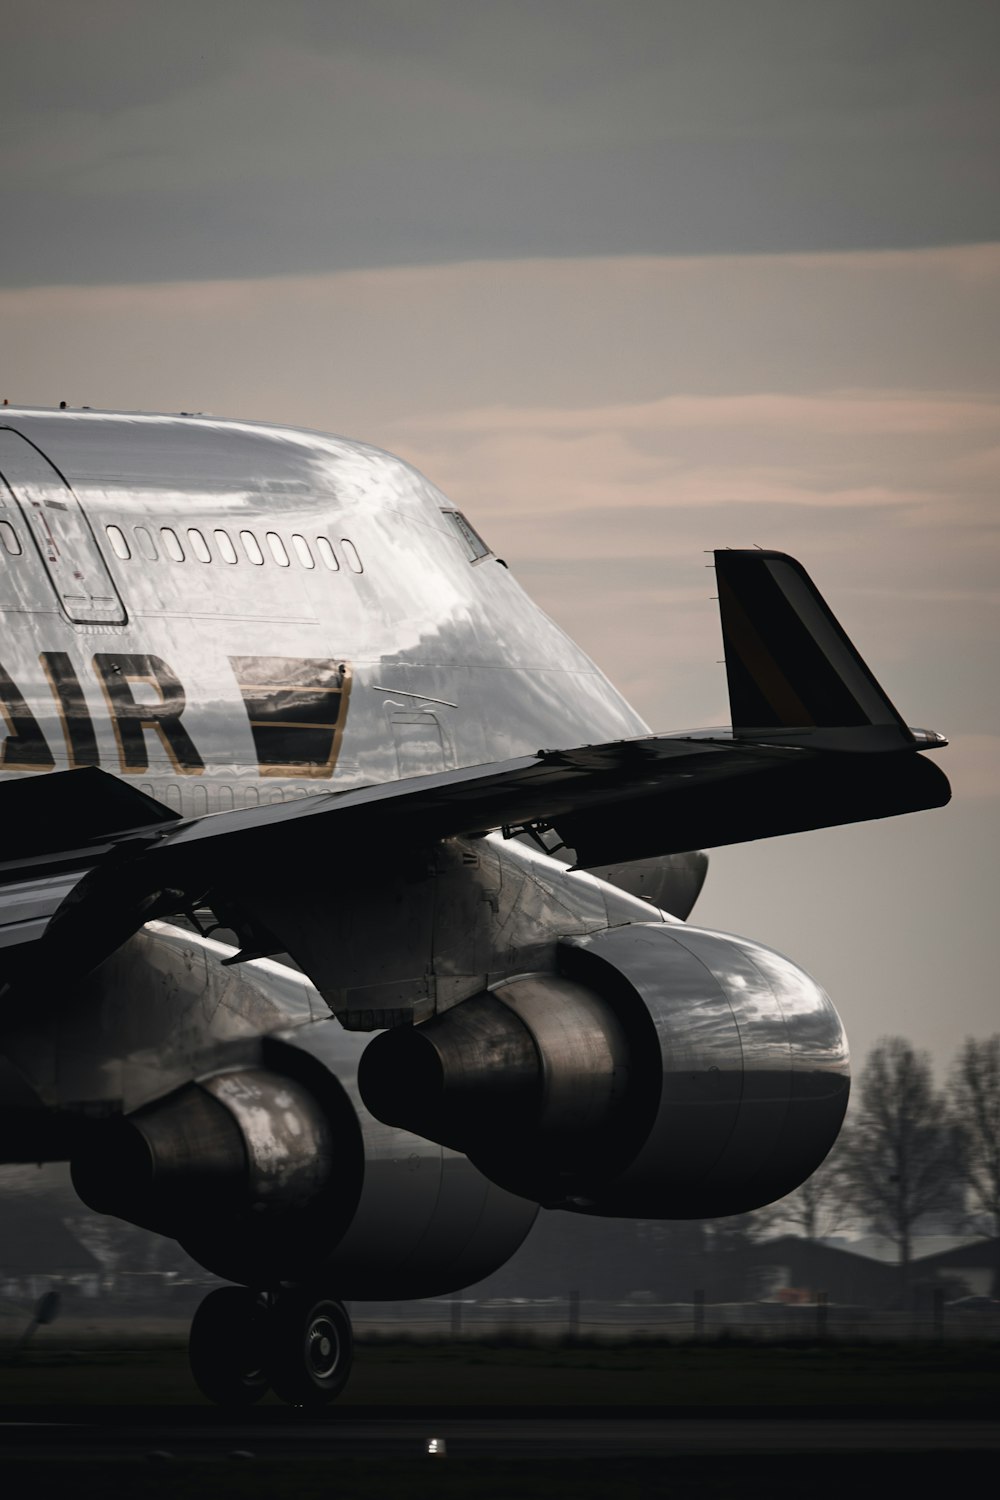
(310, 1347)
(227, 1345)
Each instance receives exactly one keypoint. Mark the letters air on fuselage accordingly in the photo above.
(235, 614)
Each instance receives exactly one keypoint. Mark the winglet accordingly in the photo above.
(794, 675)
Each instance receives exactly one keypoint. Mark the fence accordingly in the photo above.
(572, 1318)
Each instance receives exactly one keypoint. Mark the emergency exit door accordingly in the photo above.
(61, 532)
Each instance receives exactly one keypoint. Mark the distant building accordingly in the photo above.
(848, 1277)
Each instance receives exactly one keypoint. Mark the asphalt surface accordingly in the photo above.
(195, 1434)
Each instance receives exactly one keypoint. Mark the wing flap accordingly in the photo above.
(628, 800)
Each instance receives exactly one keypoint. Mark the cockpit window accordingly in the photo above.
(474, 544)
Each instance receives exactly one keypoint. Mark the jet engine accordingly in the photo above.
(277, 1173)
(664, 1072)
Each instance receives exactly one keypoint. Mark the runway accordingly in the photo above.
(193, 1434)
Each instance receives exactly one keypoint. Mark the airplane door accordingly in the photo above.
(61, 531)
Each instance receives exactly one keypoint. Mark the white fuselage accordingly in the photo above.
(314, 615)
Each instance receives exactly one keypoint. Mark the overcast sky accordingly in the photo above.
(628, 280)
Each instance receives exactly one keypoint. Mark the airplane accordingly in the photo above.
(343, 900)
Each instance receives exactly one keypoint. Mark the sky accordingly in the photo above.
(629, 281)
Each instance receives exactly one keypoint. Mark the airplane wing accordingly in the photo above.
(814, 743)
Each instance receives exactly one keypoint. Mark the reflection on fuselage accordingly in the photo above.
(246, 559)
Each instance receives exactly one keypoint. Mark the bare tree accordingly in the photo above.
(899, 1152)
(821, 1205)
(974, 1092)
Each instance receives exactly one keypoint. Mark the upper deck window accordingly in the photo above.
(277, 547)
(199, 546)
(251, 547)
(474, 544)
(171, 544)
(302, 552)
(117, 539)
(8, 536)
(146, 544)
(227, 551)
(326, 552)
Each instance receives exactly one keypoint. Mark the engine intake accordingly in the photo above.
(666, 1072)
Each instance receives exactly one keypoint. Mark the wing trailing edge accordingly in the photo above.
(815, 743)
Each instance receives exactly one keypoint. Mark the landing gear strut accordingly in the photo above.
(297, 1342)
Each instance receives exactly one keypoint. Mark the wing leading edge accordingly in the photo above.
(815, 743)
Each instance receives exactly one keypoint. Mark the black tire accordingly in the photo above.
(310, 1347)
(227, 1347)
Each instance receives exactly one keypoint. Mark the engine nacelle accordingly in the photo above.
(277, 1173)
(665, 1072)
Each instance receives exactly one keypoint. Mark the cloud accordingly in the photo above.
(828, 451)
(606, 421)
(840, 412)
(623, 338)
(161, 141)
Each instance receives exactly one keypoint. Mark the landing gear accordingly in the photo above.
(310, 1347)
(227, 1347)
(297, 1342)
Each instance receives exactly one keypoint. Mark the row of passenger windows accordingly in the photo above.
(195, 797)
(225, 548)
(173, 546)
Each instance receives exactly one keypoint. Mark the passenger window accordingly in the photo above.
(146, 544)
(171, 544)
(277, 547)
(8, 536)
(251, 547)
(474, 543)
(117, 539)
(351, 553)
(327, 553)
(225, 545)
(302, 552)
(199, 546)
